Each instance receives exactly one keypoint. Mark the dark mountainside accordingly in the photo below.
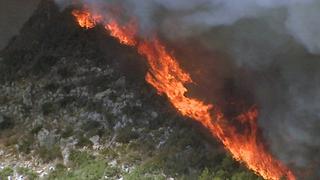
(74, 105)
(13, 14)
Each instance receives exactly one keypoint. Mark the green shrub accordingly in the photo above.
(91, 170)
(36, 129)
(112, 171)
(83, 141)
(206, 175)
(83, 167)
(125, 135)
(50, 154)
(59, 172)
(48, 108)
(139, 174)
(11, 140)
(30, 174)
(109, 153)
(25, 144)
(6, 123)
(6, 172)
(67, 132)
(79, 158)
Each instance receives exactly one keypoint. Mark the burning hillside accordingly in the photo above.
(209, 59)
(168, 78)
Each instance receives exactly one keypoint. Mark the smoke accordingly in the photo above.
(304, 25)
(276, 40)
(184, 18)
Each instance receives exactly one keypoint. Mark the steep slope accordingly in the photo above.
(74, 98)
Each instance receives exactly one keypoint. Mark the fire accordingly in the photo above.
(125, 34)
(168, 78)
(86, 19)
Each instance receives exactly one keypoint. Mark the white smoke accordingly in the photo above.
(304, 24)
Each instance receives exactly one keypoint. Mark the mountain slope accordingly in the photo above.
(74, 105)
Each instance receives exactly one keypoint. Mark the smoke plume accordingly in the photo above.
(276, 41)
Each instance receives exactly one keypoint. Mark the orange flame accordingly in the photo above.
(86, 19)
(167, 77)
(125, 34)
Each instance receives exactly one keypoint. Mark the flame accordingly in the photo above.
(168, 78)
(86, 19)
(125, 34)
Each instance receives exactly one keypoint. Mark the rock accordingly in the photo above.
(103, 94)
(27, 96)
(51, 168)
(154, 114)
(20, 177)
(95, 140)
(46, 138)
(66, 154)
(121, 82)
(125, 168)
(113, 163)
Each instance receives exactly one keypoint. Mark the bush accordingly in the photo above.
(83, 141)
(5, 173)
(36, 129)
(30, 174)
(6, 122)
(84, 167)
(109, 153)
(59, 171)
(206, 175)
(125, 135)
(51, 154)
(91, 170)
(48, 108)
(79, 158)
(25, 144)
(139, 174)
(67, 132)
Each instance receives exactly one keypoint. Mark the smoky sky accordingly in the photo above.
(278, 41)
(13, 14)
(192, 16)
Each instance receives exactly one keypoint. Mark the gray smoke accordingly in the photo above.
(192, 16)
(277, 40)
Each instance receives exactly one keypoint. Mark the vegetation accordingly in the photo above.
(25, 144)
(49, 154)
(141, 138)
(5, 173)
(48, 108)
(28, 173)
(84, 167)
